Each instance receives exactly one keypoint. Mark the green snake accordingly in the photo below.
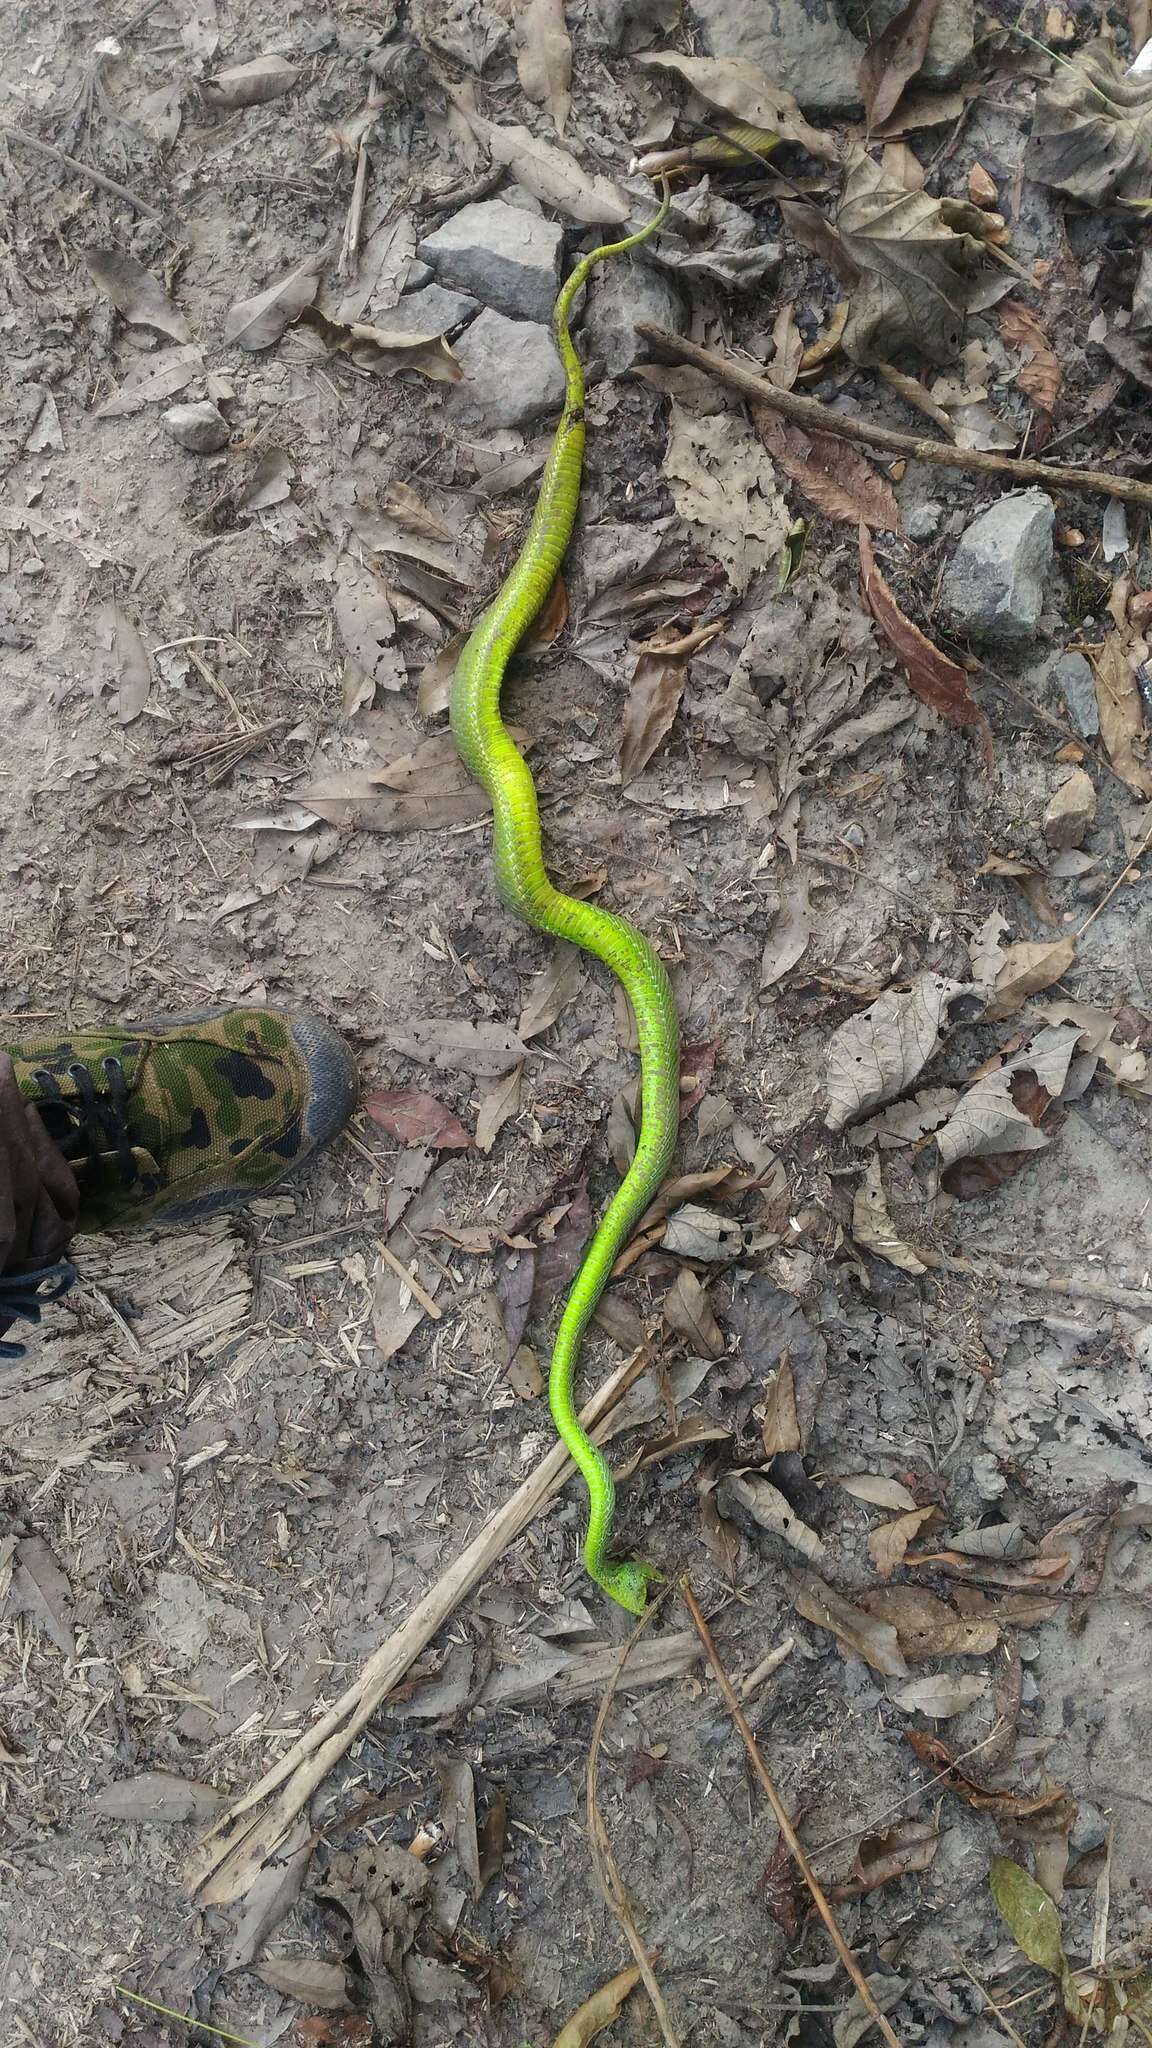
(490, 755)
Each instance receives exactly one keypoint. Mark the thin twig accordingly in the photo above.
(783, 1820)
(604, 1862)
(1039, 1283)
(1121, 878)
(820, 419)
(186, 2019)
(82, 170)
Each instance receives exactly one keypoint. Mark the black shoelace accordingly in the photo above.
(20, 1296)
(94, 1124)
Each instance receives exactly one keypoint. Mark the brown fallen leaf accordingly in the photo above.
(1003, 1109)
(308, 1978)
(752, 1501)
(550, 173)
(931, 675)
(940, 1696)
(880, 1052)
(1122, 726)
(927, 1626)
(1092, 127)
(687, 1310)
(919, 275)
(557, 984)
(888, 1544)
(896, 1852)
(599, 2011)
(650, 709)
(258, 322)
(252, 84)
(877, 1490)
(416, 1119)
(501, 1102)
(544, 57)
(458, 1815)
(740, 88)
(1025, 969)
(1040, 375)
(724, 486)
(1001, 1803)
(787, 942)
(480, 1049)
(859, 1632)
(383, 351)
(787, 350)
(687, 1434)
(779, 1423)
(137, 296)
(833, 475)
(872, 1225)
(895, 58)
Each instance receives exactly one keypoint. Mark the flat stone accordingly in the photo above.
(512, 372)
(1073, 679)
(200, 427)
(419, 274)
(922, 521)
(1071, 810)
(509, 259)
(430, 311)
(949, 41)
(994, 585)
(619, 295)
(802, 45)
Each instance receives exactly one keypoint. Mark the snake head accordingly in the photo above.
(628, 1583)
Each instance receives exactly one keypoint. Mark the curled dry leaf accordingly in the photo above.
(544, 57)
(545, 170)
(1126, 1063)
(872, 1225)
(416, 1119)
(724, 485)
(888, 1544)
(858, 1631)
(940, 1696)
(880, 1053)
(1000, 1112)
(787, 942)
(878, 1491)
(385, 351)
(931, 675)
(1025, 969)
(833, 475)
(751, 1500)
(1092, 128)
(250, 85)
(1040, 375)
(898, 1851)
(894, 58)
(687, 1310)
(739, 87)
(650, 709)
(1122, 726)
(135, 293)
(1002, 1804)
(599, 2011)
(557, 984)
(307, 1978)
(919, 276)
(926, 1626)
(257, 323)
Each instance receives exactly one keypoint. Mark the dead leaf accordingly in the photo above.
(367, 624)
(135, 293)
(480, 1049)
(545, 170)
(857, 1630)
(1025, 969)
(151, 382)
(1126, 1063)
(307, 1978)
(40, 1590)
(940, 1696)
(557, 984)
(259, 322)
(687, 1310)
(999, 1802)
(779, 1424)
(724, 485)
(686, 1435)
(269, 484)
(544, 57)
(898, 1851)
(435, 687)
(833, 475)
(501, 1102)
(894, 58)
(919, 275)
(888, 1543)
(251, 84)
(989, 1118)
(599, 2011)
(650, 709)
(159, 1799)
(1122, 727)
(787, 942)
(384, 1892)
(751, 1500)
(416, 1119)
(1092, 128)
(740, 88)
(458, 1814)
(694, 1232)
(133, 666)
(876, 1490)
(879, 1053)
(523, 1373)
(872, 1225)
(926, 1626)
(1040, 375)
(385, 351)
(787, 350)
(931, 675)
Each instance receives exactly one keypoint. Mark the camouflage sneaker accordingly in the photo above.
(177, 1118)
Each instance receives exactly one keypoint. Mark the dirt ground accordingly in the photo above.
(236, 1457)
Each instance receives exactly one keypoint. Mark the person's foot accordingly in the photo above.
(177, 1118)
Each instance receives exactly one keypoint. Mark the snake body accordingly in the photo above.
(493, 759)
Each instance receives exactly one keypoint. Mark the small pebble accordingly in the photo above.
(923, 520)
(199, 426)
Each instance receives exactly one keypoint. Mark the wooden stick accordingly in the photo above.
(820, 419)
(783, 1821)
(81, 170)
(229, 1859)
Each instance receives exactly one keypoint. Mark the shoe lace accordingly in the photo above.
(20, 1296)
(95, 1123)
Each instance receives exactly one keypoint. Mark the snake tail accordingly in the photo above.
(492, 757)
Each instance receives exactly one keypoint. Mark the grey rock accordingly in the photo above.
(619, 296)
(1072, 679)
(512, 372)
(987, 1477)
(1090, 1830)
(200, 426)
(994, 585)
(419, 274)
(922, 521)
(431, 311)
(949, 42)
(508, 258)
(801, 44)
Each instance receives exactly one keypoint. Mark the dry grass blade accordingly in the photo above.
(784, 1823)
(607, 1870)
